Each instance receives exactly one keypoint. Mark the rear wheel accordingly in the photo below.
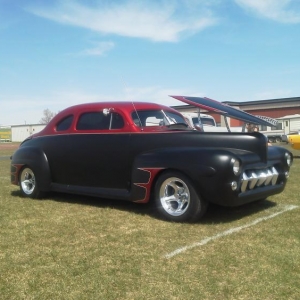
(28, 184)
(176, 199)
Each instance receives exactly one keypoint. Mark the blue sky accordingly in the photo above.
(54, 54)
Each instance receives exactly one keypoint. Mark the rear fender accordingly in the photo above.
(37, 160)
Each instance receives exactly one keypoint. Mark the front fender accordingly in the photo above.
(201, 165)
(37, 160)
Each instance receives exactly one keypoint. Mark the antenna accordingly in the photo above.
(140, 122)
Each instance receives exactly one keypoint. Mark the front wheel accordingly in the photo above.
(28, 184)
(176, 199)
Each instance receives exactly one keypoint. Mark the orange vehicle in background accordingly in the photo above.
(294, 140)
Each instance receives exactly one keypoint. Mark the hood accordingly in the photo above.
(226, 110)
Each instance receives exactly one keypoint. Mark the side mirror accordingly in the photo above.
(107, 111)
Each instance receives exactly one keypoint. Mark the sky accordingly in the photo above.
(58, 53)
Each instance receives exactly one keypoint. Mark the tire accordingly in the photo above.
(28, 184)
(176, 199)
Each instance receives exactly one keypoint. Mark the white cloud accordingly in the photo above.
(277, 10)
(165, 20)
(99, 50)
(18, 109)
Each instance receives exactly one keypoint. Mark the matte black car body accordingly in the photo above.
(126, 161)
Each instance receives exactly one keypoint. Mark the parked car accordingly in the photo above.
(199, 121)
(294, 140)
(145, 152)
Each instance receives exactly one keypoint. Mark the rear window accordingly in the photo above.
(65, 123)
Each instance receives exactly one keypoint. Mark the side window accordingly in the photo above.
(117, 121)
(93, 121)
(149, 118)
(64, 124)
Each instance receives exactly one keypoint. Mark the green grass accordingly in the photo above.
(72, 247)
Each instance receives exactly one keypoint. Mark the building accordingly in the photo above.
(21, 132)
(5, 134)
(291, 123)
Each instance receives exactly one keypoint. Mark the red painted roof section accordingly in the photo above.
(124, 107)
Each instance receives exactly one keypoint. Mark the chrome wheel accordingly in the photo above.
(176, 199)
(27, 181)
(174, 196)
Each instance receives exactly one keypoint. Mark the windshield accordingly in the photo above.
(147, 118)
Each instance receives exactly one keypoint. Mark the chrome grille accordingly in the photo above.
(256, 178)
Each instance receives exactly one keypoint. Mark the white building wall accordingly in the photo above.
(295, 124)
(21, 132)
(291, 123)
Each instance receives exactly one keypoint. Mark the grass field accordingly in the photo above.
(72, 247)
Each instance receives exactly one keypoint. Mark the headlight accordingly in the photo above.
(289, 159)
(236, 166)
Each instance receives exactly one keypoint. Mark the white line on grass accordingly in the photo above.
(228, 232)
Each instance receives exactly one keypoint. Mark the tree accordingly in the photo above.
(48, 115)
